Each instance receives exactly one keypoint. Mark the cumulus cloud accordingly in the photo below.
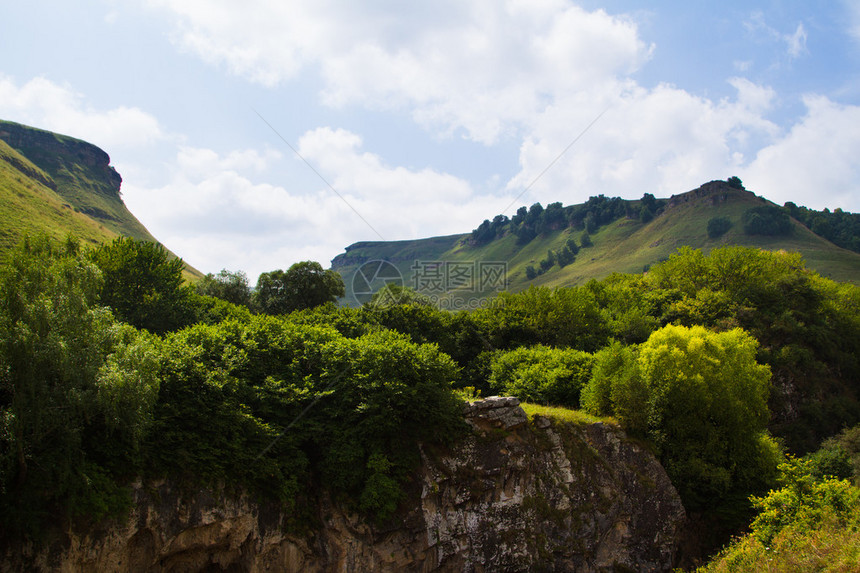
(59, 108)
(482, 68)
(661, 141)
(218, 211)
(814, 164)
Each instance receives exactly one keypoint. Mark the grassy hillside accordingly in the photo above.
(28, 205)
(625, 245)
(59, 185)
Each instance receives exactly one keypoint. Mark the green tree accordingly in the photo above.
(766, 220)
(565, 256)
(547, 263)
(585, 241)
(541, 374)
(143, 284)
(76, 389)
(705, 400)
(735, 182)
(303, 285)
(226, 285)
(717, 227)
(646, 215)
(807, 327)
(392, 294)
(591, 224)
(539, 315)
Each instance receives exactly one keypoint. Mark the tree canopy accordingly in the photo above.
(701, 398)
(226, 285)
(143, 284)
(72, 381)
(304, 285)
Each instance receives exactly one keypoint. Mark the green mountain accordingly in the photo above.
(623, 237)
(59, 185)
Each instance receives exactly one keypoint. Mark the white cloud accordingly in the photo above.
(661, 141)
(485, 67)
(216, 213)
(796, 42)
(815, 164)
(852, 9)
(47, 105)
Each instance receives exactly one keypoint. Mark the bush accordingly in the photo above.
(267, 403)
(810, 523)
(701, 398)
(766, 220)
(541, 374)
(555, 317)
(718, 226)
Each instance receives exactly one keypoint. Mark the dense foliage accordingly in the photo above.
(718, 226)
(838, 227)
(536, 220)
(304, 285)
(226, 285)
(766, 220)
(811, 522)
(701, 398)
(542, 374)
(76, 389)
(697, 358)
(143, 284)
(808, 328)
(263, 403)
(269, 403)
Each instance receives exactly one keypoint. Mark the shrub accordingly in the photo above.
(766, 220)
(541, 374)
(701, 398)
(267, 403)
(718, 226)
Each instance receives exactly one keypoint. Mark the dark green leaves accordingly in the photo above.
(304, 285)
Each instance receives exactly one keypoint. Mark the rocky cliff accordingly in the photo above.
(515, 495)
(79, 172)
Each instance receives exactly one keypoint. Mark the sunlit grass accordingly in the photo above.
(830, 548)
(563, 414)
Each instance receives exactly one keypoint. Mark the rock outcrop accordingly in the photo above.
(515, 495)
(58, 154)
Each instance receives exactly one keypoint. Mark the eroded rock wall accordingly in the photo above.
(515, 495)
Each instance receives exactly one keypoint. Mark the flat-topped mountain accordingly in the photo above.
(568, 245)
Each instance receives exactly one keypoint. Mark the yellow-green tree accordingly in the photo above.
(701, 398)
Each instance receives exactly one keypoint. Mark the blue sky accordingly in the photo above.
(424, 118)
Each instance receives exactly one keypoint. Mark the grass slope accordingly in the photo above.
(29, 206)
(82, 174)
(58, 184)
(626, 245)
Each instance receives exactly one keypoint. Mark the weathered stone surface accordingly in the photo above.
(535, 497)
(501, 412)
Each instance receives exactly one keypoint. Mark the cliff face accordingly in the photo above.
(79, 172)
(513, 496)
(57, 154)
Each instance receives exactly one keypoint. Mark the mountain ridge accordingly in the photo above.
(630, 243)
(59, 184)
